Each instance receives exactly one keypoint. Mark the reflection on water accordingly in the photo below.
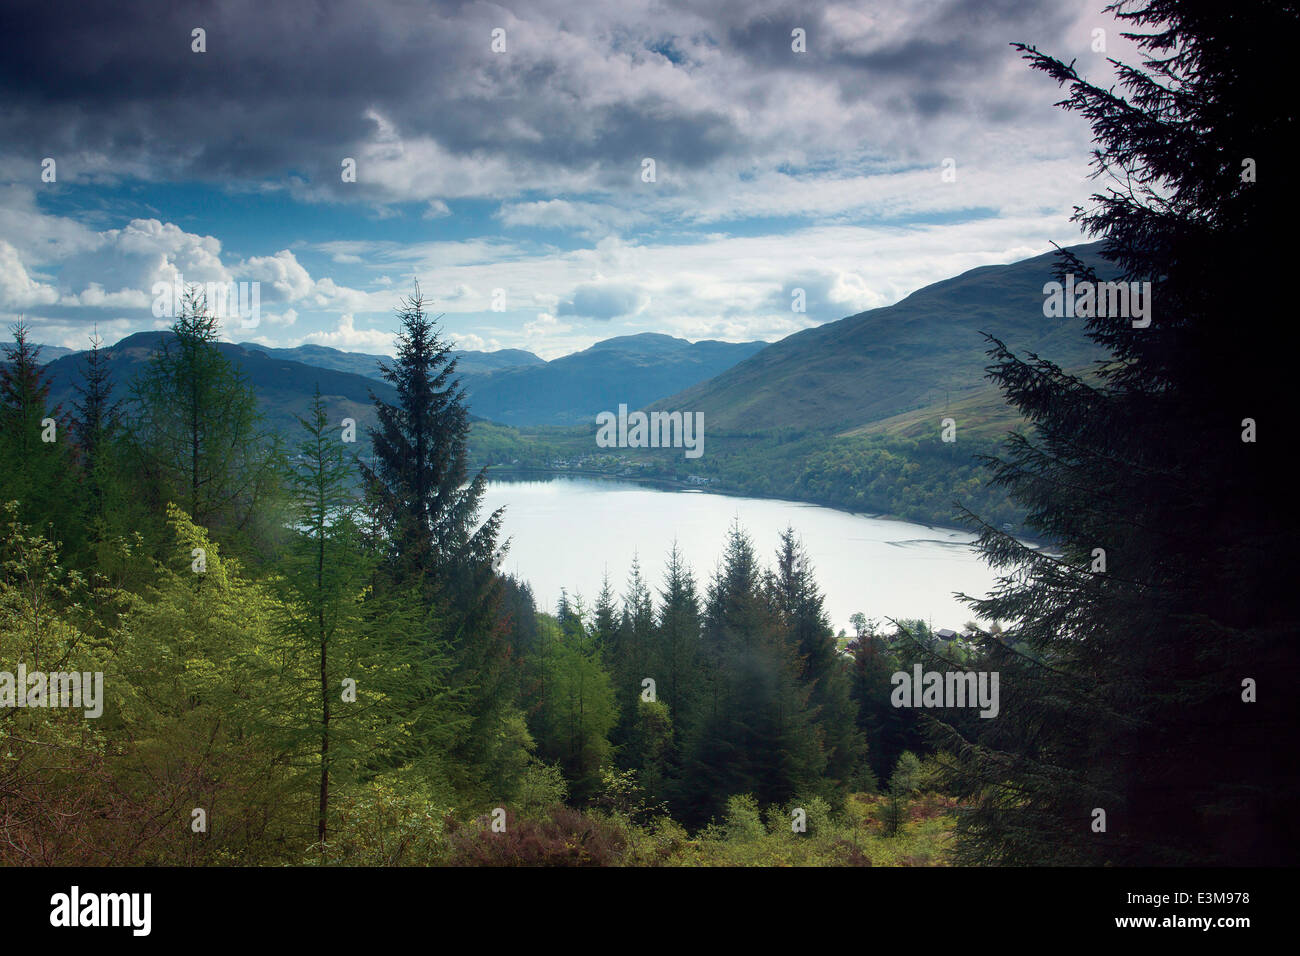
(565, 532)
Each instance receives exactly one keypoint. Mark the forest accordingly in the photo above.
(310, 655)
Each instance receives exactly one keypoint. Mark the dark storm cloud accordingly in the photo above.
(297, 86)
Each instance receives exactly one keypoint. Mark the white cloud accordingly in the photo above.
(288, 281)
(18, 289)
(349, 338)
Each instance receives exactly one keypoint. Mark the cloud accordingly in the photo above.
(604, 300)
(347, 337)
(415, 94)
(776, 169)
(591, 219)
(17, 288)
(287, 280)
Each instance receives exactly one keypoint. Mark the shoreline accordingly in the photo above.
(675, 484)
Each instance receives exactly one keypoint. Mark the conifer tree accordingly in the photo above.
(1126, 679)
(35, 464)
(677, 636)
(427, 504)
(632, 660)
(201, 440)
(419, 473)
(796, 600)
(325, 573)
(605, 616)
(97, 430)
(753, 731)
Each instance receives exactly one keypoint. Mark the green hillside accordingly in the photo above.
(920, 352)
(284, 388)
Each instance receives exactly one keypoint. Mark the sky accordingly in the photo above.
(501, 160)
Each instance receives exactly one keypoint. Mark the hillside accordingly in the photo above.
(48, 353)
(632, 369)
(284, 388)
(511, 385)
(923, 351)
(363, 363)
(516, 387)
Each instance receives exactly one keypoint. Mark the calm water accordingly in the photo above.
(565, 532)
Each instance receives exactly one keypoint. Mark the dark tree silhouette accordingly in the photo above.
(1124, 692)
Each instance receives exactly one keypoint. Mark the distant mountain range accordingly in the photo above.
(516, 387)
(51, 352)
(867, 373)
(925, 350)
(511, 386)
(362, 363)
(632, 369)
(284, 388)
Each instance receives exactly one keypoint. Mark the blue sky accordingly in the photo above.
(516, 176)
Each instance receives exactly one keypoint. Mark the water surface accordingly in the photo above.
(565, 532)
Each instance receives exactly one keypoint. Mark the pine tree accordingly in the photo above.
(677, 636)
(97, 428)
(753, 731)
(35, 465)
(576, 711)
(325, 573)
(902, 785)
(1125, 679)
(631, 661)
(796, 600)
(426, 503)
(99, 415)
(419, 473)
(606, 619)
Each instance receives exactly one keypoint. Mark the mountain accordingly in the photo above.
(49, 353)
(632, 369)
(362, 363)
(925, 350)
(511, 385)
(284, 387)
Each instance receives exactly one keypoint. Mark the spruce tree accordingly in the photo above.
(427, 505)
(754, 731)
(97, 428)
(1150, 667)
(35, 465)
(419, 473)
(677, 636)
(605, 614)
(326, 628)
(632, 661)
(799, 604)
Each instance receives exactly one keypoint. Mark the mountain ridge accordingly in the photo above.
(876, 364)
